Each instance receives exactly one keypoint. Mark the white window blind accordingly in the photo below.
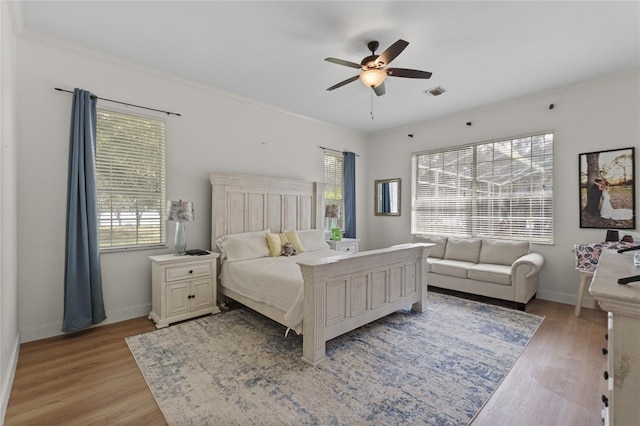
(130, 171)
(334, 189)
(498, 189)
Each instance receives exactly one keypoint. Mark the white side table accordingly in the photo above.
(346, 244)
(182, 287)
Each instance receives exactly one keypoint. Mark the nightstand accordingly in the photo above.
(182, 287)
(346, 244)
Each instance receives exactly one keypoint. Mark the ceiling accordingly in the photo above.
(481, 52)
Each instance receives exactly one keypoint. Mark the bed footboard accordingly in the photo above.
(345, 292)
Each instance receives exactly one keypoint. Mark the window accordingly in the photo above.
(498, 189)
(334, 189)
(130, 178)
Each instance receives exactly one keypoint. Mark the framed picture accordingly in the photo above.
(607, 189)
(336, 234)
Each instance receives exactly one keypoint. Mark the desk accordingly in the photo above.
(622, 405)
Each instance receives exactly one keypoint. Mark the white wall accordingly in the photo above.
(590, 116)
(225, 133)
(216, 132)
(9, 336)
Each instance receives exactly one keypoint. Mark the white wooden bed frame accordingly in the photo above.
(341, 293)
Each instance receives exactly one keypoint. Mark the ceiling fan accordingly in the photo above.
(373, 67)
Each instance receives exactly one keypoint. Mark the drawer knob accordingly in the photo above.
(606, 375)
(604, 351)
(191, 271)
(605, 401)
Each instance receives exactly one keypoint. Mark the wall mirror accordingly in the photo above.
(387, 197)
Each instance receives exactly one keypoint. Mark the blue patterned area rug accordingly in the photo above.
(436, 368)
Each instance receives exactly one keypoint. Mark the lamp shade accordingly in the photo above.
(180, 211)
(332, 210)
(373, 77)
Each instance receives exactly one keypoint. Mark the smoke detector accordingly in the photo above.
(435, 91)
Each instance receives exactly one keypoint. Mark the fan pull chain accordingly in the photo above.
(371, 108)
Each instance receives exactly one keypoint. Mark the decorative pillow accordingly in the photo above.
(440, 244)
(313, 240)
(502, 252)
(465, 249)
(275, 243)
(219, 241)
(292, 237)
(245, 248)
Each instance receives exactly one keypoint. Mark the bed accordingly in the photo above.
(330, 293)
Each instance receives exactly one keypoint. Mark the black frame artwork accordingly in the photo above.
(607, 189)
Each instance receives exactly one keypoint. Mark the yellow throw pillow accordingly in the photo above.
(275, 243)
(292, 237)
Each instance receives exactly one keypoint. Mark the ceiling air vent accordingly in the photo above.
(435, 91)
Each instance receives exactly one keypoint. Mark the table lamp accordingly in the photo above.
(332, 211)
(180, 212)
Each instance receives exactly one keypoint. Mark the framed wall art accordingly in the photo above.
(607, 189)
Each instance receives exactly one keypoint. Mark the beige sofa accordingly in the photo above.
(500, 269)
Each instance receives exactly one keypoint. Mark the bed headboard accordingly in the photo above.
(244, 203)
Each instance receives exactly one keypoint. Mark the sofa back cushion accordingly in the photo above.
(466, 249)
(440, 244)
(502, 252)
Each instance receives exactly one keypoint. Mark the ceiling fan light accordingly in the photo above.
(373, 77)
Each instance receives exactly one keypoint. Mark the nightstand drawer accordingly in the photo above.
(174, 273)
(351, 248)
(347, 245)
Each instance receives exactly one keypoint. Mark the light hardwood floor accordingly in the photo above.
(91, 378)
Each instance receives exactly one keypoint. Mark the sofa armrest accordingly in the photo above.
(532, 263)
(524, 276)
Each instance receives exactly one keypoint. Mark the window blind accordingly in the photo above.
(334, 189)
(498, 189)
(130, 172)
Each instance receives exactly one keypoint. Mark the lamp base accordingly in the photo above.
(180, 241)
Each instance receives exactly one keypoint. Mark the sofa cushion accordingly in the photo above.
(502, 252)
(465, 249)
(453, 268)
(499, 274)
(438, 249)
(430, 260)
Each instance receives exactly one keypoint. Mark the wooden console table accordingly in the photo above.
(622, 404)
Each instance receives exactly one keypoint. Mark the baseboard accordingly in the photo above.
(43, 331)
(8, 377)
(567, 299)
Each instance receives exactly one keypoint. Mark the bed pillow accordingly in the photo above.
(245, 248)
(218, 243)
(294, 239)
(275, 243)
(313, 240)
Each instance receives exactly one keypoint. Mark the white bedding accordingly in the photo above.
(276, 281)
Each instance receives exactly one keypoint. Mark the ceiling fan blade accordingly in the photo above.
(407, 73)
(342, 83)
(392, 52)
(380, 90)
(343, 62)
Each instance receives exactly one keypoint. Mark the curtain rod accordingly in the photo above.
(123, 103)
(335, 150)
